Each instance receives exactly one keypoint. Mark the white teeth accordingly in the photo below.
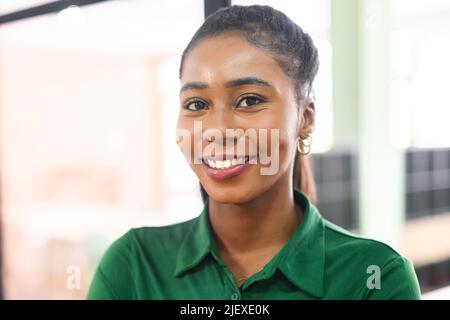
(219, 164)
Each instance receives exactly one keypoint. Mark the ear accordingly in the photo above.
(307, 118)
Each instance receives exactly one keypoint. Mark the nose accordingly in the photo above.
(219, 126)
(221, 116)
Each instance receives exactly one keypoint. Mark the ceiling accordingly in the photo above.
(15, 5)
(134, 26)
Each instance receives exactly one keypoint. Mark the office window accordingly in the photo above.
(82, 98)
(420, 47)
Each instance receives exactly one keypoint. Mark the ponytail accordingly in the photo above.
(303, 177)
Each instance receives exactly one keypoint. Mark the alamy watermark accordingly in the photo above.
(73, 281)
(374, 280)
(262, 147)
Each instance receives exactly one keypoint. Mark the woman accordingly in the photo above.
(259, 235)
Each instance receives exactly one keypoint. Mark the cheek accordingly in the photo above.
(280, 144)
(275, 152)
(184, 136)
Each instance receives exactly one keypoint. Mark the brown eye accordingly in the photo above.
(248, 102)
(196, 105)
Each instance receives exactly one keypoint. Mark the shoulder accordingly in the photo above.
(158, 235)
(367, 261)
(151, 241)
(341, 241)
(124, 265)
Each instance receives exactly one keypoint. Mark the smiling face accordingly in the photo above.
(227, 83)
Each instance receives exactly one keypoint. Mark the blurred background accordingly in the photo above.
(88, 108)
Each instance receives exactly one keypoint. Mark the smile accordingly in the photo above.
(226, 164)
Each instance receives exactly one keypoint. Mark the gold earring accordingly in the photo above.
(301, 143)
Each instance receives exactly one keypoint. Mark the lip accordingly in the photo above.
(225, 174)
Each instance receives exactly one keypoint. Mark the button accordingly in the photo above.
(235, 296)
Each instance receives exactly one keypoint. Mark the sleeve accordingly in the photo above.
(398, 282)
(114, 278)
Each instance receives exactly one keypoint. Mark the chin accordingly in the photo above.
(234, 195)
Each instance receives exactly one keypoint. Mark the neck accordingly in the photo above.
(265, 223)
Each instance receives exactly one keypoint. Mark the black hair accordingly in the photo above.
(274, 32)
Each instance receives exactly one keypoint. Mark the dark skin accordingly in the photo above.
(252, 215)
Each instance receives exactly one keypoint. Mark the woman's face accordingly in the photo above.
(229, 84)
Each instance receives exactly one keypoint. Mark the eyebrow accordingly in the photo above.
(230, 84)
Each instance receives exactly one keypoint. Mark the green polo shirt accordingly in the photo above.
(320, 261)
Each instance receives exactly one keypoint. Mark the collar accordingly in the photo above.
(197, 243)
(303, 263)
(302, 260)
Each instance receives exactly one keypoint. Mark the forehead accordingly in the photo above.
(227, 57)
